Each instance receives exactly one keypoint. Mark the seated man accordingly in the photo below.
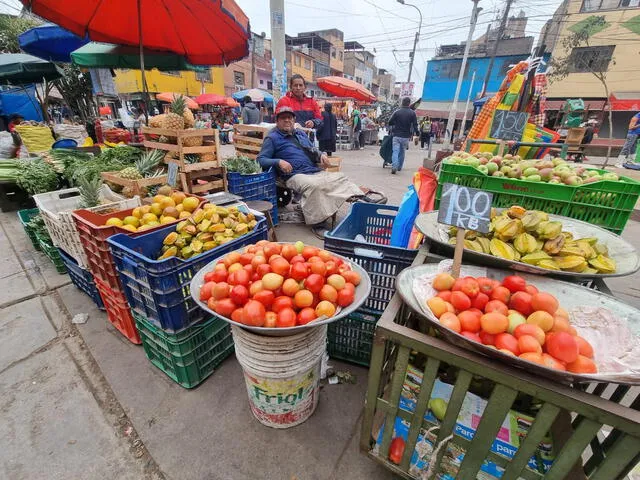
(301, 165)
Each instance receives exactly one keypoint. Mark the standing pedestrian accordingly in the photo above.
(328, 130)
(358, 134)
(405, 125)
(305, 108)
(629, 148)
(250, 113)
(425, 132)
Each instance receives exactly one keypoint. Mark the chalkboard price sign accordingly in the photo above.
(508, 125)
(172, 174)
(465, 208)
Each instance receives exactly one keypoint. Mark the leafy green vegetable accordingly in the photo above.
(36, 176)
(124, 154)
(241, 164)
(39, 227)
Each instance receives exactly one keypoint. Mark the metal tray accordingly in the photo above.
(569, 295)
(624, 254)
(362, 292)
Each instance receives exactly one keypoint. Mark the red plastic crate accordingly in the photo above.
(118, 311)
(93, 236)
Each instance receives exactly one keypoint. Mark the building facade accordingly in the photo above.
(188, 83)
(613, 47)
(359, 65)
(237, 76)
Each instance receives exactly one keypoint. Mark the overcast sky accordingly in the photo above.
(386, 25)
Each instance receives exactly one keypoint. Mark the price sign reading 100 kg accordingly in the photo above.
(466, 209)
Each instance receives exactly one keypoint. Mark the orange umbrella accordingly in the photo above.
(343, 87)
(170, 97)
(230, 102)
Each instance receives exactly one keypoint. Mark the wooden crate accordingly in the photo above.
(208, 146)
(215, 178)
(248, 139)
(136, 186)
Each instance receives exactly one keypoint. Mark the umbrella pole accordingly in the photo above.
(145, 87)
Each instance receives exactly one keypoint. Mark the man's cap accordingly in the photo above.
(284, 109)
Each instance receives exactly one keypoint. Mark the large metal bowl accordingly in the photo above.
(362, 292)
(624, 254)
(569, 295)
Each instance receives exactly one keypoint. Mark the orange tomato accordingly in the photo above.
(527, 343)
(305, 316)
(562, 346)
(303, 298)
(325, 308)
(460, 301)
(544, 301)
(494, 323)
(582, 364)
(327, 292)
(470, 321)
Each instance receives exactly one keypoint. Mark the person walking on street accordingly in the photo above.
(250, 113)
(629, 148)
(328, 130)
(405, 125)
(358, 134)
(425, 132)
(306, 109)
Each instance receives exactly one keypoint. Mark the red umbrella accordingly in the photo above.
(211, 99)
(206, 32)
(343, 87)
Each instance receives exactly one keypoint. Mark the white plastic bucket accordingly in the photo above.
(281, 374)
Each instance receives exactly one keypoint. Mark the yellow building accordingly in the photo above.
(614, 43)
(188, 83)
(300, 62)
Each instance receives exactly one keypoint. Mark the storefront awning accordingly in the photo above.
(441, 110)
(555, 105)
(625, 101)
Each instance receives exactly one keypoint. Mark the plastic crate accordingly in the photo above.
(56, 208)
(81, 278)
(382, 262)
(118, 312)
(25, 217)
(351, 338)
(608, 204)
(259, 186)
(52, 252)
(159, 289)
(190, 356)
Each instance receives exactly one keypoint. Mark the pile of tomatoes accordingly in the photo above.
(513, 317)
(275, 285)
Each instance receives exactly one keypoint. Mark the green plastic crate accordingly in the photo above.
(607, 204)
(189, 356)
(351, 338)
(52, 252)
(25, 216)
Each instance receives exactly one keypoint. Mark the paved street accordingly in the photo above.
(81, 402)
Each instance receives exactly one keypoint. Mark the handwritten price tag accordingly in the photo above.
(172, 174)
(465, 207)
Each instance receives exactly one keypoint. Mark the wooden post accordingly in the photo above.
(500, 147)
(457, 254)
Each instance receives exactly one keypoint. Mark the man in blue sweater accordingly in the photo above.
(301, 165)
(405, 124)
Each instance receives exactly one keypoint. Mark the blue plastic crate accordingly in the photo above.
(159, 289)
(81, 278)
(259, 186)
(382, 262)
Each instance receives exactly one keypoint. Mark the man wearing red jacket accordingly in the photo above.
(306, 109)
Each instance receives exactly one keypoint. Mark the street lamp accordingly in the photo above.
(415, 42)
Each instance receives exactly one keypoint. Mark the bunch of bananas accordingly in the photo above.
(529, 236)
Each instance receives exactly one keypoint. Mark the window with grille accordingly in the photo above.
(238, 78)
(595, 5)
(204, 76)
(591, 59)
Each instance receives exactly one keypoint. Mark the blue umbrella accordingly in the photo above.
(255, 94)
(50, 42)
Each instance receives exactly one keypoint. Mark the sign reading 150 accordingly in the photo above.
(465, 207)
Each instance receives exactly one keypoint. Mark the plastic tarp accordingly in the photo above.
(21, 100)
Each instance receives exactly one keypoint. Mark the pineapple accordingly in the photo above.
(174, 120)
(189, 120)
(207, 157)
(157, 120)
(194, 141)
(143, 166)
(89, 191)
(130, 173)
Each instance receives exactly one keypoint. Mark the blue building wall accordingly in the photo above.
(442, 76)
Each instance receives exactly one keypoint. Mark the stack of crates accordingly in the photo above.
(178, 337)
(363, 237)
(258, 186)
(40, 243)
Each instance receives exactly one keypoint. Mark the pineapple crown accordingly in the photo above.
(178, 105)
(149, 160)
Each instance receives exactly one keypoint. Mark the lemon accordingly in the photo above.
(137, 212)
(129, 227)
(149, 217)
(131, 220)
(114, 222)
(165, 220)
(156, 209)
(190, 204)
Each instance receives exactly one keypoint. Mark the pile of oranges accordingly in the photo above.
(513, 317)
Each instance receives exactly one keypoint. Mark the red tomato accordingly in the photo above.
(487, 338)
(460, 301)
(249, 269)
(345, 297)
(271, 320)
(501, 293)
(258, 260)
(220, 275)
(352, 277)
(208, 277)
(240, 277)
(308, 252)
(350, 286)
(255, 287)
(325, 255)
(469, 321)
(306, 315)
(297, 259)
(263, 269)
(279, 265)
(531, 290)
(265, 297)
(289, 251)
(314, 283)
(507, 341)
(315, 258)
(299, 271)
(496, 306)
(332, 268)
(471, 336)
(239, 295)
(230, 259)
(282, 302)
(470, 287)
(318, 267)
(290, 287)
(515, 283)
(206, 291)
(486, 285)
(225, 307)
(246, 258)
(237, 316)
(327, 292)
(286, 318)
(521, 302)
(479, 302)
(271, 249)
(254, 313)
(445, 295)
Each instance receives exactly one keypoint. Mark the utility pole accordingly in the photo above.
(253, 60)
(415, 41)
(278, 50)
(503, 24)
(466, 107)
(448, 131)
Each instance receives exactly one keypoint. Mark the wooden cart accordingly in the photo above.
(248, 139)
(197, 177)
